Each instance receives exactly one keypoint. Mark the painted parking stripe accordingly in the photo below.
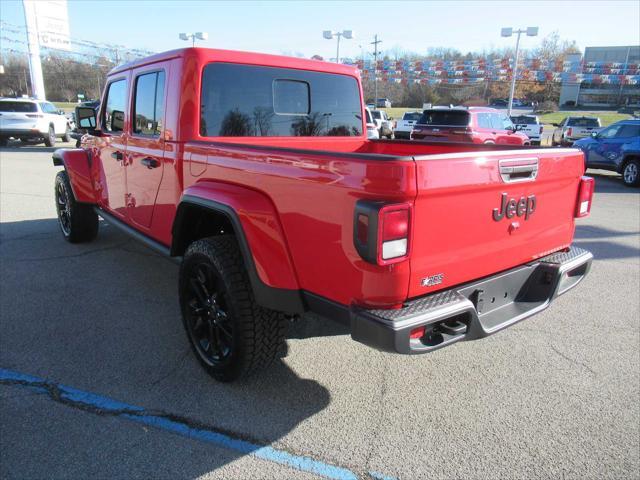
(103, 405)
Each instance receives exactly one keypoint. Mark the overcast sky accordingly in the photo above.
(296, 26)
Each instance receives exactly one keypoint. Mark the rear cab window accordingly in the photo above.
(583, 122)
(524, 120)
(454, 118)
(18, 107)
(412, 116)
(253, 101)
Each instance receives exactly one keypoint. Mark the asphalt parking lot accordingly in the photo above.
(556, 396)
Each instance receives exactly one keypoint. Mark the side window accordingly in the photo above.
(610, 132)
(114, 112)
(48, 107)
(496, 121)
(148, 109)
(484, 121)
(627, 131)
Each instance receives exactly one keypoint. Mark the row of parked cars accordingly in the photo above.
(457, 124)
(615, 148)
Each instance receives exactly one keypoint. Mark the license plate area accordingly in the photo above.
(497, 292)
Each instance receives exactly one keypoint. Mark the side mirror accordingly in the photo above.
(594, 134)
(61, 112)
(86, 118)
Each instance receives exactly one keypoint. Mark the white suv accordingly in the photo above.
(32, 120)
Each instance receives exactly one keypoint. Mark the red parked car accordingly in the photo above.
(468, 124)
(255, 172)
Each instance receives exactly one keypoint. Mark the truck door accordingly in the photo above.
(145, 149)
(112, 145)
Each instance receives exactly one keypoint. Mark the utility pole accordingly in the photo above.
(375, 69)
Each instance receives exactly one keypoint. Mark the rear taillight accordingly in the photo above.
(585, 196)
(569, 132)
(381, 231)
(35, 115)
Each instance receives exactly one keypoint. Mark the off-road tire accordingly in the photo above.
(50, 138)
(78, 221)
(258, 333)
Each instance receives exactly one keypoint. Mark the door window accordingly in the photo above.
(610, 132)
(484, 121)
(48, 107)
(496, 121)
(114, 112)
(148, 109)
(627, 131)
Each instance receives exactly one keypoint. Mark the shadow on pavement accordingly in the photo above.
(104, 317)
(610, 182)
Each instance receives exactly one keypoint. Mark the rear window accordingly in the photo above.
(253, 101)
(412, 116)
(454, 118)
(524, 120)
(583, 122)
(21, 107)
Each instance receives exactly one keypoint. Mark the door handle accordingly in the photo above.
(117, 155)
(150, 163)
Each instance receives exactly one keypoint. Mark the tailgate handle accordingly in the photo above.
(518, 169)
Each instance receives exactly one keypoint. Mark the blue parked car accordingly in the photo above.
(615, 148)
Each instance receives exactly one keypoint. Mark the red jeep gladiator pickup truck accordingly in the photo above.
(256, 173)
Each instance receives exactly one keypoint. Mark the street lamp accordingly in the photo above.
(507, 32)
(193, 36)
(329, 34)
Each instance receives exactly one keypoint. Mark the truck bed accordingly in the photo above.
(453, 190)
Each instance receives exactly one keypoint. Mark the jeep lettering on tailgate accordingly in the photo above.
(522, 207)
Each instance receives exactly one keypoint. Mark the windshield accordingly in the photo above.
(524, 120)
(22, 107)
(454, 118)
(583, 122)
(368, 116)
(412, 116)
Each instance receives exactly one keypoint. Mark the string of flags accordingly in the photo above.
(477, 71)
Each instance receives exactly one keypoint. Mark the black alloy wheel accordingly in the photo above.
(207, 319)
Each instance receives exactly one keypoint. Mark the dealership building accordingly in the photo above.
(586, 94)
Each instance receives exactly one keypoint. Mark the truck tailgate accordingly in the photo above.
(479, 213)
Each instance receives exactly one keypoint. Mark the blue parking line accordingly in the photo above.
(104, 405)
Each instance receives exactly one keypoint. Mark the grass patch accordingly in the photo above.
(606, 117)
(66, 106)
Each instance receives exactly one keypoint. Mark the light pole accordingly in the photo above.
(329, 34)
(375, 71)
(507, 32)
(193, 37)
